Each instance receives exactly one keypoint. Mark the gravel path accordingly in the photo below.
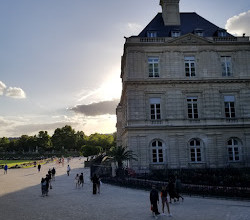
(20, 198)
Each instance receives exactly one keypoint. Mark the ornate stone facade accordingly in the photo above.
(185, 100)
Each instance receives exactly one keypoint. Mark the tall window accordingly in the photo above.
(192, 103)
(157, 152)
(195, 150)
(229, 106)
(226, 66)
(155, 108)
(233, 147)
(222, 33)
(153, 66)
(151, 34)
(190, 66)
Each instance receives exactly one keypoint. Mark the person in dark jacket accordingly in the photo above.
(81, 179)
(39, 167)
(43, 187)
(53, 172)
(154, 200)
(95, 181)
(5, 169)
(47, 180)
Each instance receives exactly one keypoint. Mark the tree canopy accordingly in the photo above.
(64, 139)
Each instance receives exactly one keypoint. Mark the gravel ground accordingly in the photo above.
(20, 198)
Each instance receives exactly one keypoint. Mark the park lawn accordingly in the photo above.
(12, 163)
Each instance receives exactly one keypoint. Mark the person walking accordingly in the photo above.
(154, 200)
(47, 184)
(171, 190)
(68, 169)
(43, 186)
(77, 180)
(81, 179)
(178, 188)
(39, 167)
(53, 173)
(95, 182)
(5, 169)
(50, 178)
(98, 185)
(164, 200)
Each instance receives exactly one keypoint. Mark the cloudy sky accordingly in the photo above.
(60, 59)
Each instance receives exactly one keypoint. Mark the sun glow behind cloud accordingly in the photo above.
(109, 90)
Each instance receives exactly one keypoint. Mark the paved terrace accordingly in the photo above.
(20, 198)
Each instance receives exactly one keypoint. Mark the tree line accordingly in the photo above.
(64, 139)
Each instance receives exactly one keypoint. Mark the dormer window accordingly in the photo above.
(175, 33)
(151, 34)
(199, 32)
(222, 33)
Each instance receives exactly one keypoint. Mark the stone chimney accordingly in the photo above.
(170, 12)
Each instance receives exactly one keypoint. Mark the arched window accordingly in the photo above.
(157, 152)
(195, 150)
(233, 148)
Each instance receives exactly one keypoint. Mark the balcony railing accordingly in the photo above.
(166, 39)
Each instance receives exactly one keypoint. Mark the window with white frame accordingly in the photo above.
(151, 34)
(153, 66)
(199, 32)
(190, 66)
(157, 152)
(229, 102)
(195, 150)
(176, 33)
(155, 108)
(233, 147)
(226, 66)
(192, 104)
(222, 33)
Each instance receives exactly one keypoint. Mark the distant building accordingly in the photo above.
(185, 100)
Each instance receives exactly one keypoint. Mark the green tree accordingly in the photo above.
(31, 144)
(4, 143)
(81, 140)
(13, 146)
(44, 141)
(88, 151)
(106, 141)
(64, 139)
(22, 144)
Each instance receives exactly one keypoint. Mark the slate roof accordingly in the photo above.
(189, 22)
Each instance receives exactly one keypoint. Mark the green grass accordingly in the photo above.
(12, 163)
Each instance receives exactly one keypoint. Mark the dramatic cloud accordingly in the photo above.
(239, 24)
(110, 89)
(30, 129)
(94, 109)
(2, 87)
(16, 93)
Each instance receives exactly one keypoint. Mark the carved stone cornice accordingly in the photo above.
(179, 81)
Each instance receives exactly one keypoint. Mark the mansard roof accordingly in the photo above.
(189, 23)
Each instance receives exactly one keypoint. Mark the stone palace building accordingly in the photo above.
(185, 99)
